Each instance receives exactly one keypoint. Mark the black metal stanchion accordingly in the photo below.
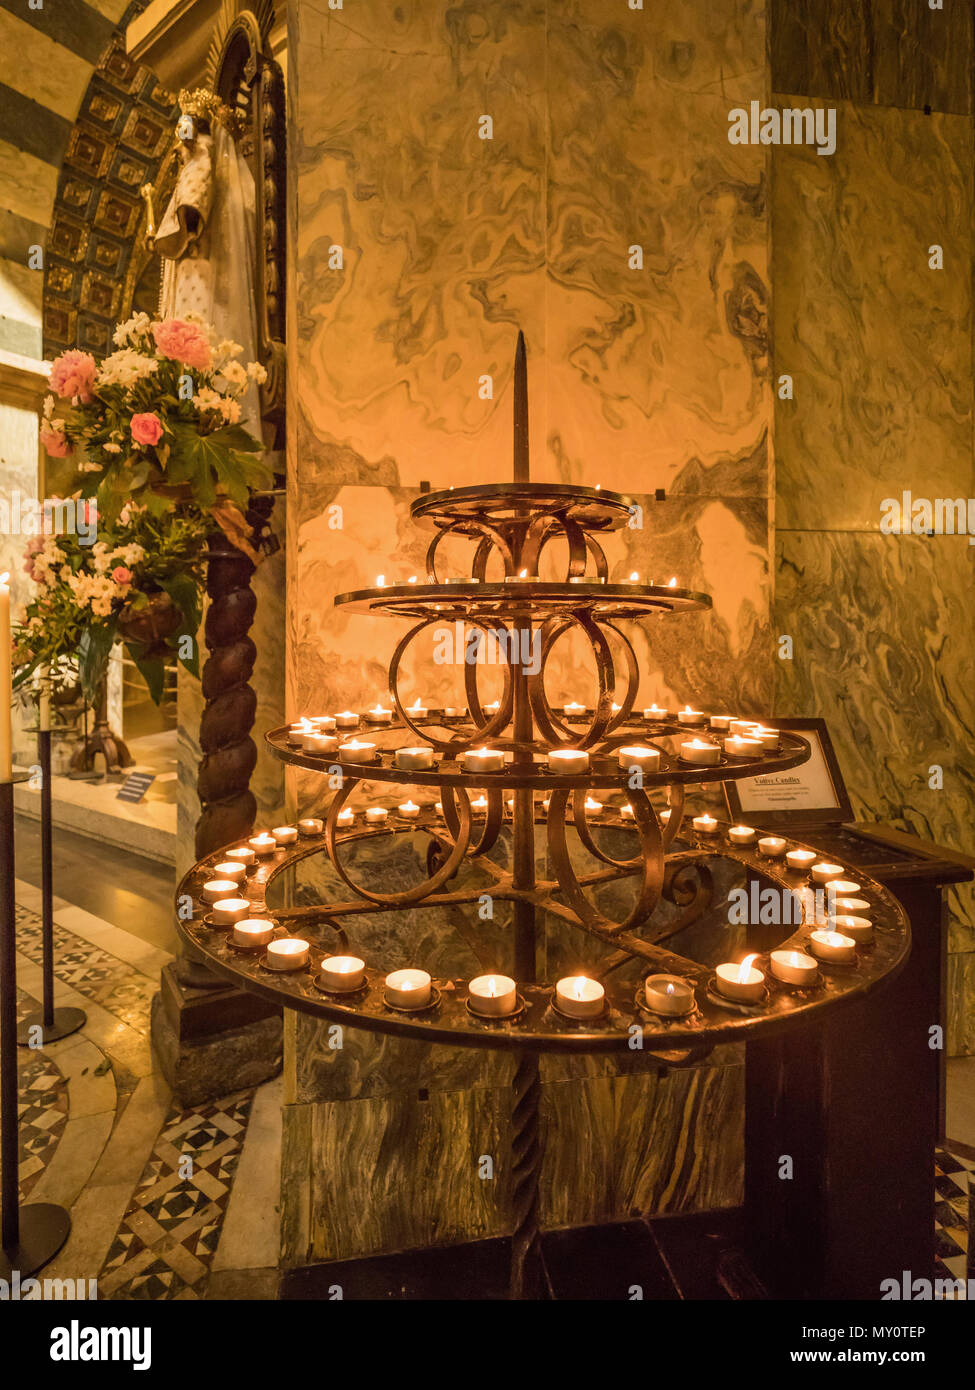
(33, 1235)
(50, 1023)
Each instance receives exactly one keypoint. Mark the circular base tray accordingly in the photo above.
(570, 1018)
(421, 1008)
(43, 1230)
(65, 1021)
(640, 1000)
(340, 994)
(516, 1012)
(716, 997)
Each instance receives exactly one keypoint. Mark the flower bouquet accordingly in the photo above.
(158, 421)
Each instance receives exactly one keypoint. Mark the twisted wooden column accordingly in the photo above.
(526, 1156)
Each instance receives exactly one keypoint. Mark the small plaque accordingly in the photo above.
(135, 786)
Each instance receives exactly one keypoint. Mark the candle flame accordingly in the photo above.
(669, 989)
(380, 581)
(522, 574)
(634, 576)
(406, 984)
(578, 987)
(492, 985)
(672, 583)
(795, 958)
(745, 967)
(4, 577)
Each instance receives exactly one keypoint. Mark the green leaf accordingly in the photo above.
(153, 673)
(93, 653)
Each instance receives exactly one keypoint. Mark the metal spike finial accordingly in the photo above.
(521, 463)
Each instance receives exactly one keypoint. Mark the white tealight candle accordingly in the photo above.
(311, 826)
(355, 751)
(243, 855)
(345, 818)
(854, 905)
(376, 815)
(739, 747)
(342, 974)
(409, 809)
(646, 759)
(263, 844)
(574, 710)
(378, 715)
(417, 711)
(493, 707)
(415, 759)
(656, 712)
(235, 871)
(769, 738)
(668, 994)
(860, 928)
(841, 888)
(218, 888)
(230, 910)
(287, 953)
(347, 719)
(323, 722)
(522, 577)
(483, 760)
(741, 834)
(580, 997)
(793, 967)
(456, 712)
(408, 989)
(479, 806)
(664, 816)
(627, 812)
(742, 727)
(284, 834)
(772, 846)
(741, 982)
(822, 873)
(700, 751)
(567, 760)
(721, 721)
(706, 825)
(492, 995)
(800, 858)
(832, 945)
(319, 743)
(690, 716)
(592, 806)
(296, 732)
(251, 932)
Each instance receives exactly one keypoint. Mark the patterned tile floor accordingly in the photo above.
(43, 1109)
(952, 1174)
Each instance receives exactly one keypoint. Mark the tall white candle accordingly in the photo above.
(6, 693)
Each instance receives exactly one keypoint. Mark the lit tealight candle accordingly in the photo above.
(741, 982)
(567, 760)
(574, 710)
(646, 759)
(700, 751)
(345, 818)
(417, 710)
(580, 997)
(456, 712)
(297, 731)
(741, 834)
(251, 932)
(237, 872)
(378, 715)
(479, 805)
(721, 721)
(409, 809)
(627, 812)
(743, 727)
(706, 825)
(793, 967)
(347, 720)
(415, 759)
(316, 742)
(841, 888)
(832, 945)
(592, 806)
(311, 826)
(822, 873)
(860, 928)
(772, 846)
(408, 989)
(668, 994)
(323, 722)
(664, 816)
(493, 707)
(769, 738)
(800, 859)
(263, 844)
(355, 751)
(522, 577)
(284, 834)
(218, 888)
(287, 953)
(738, 746)
(483, 760)
(854, 905)
(690, 716)
(243, 855)
(342, 974)
(230, 910)
(492, 995)
(376, 815)
(656, 712)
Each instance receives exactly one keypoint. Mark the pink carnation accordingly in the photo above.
(183, 342)
(56, 442)
(73, 374)
(121, 575)
(146, 428)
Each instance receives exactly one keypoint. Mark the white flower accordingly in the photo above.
(234, 375)
(112, 448)
(125, 367)
(207, 399)
(135, 327)
(48, 407)
(230, 410)
(228, 348)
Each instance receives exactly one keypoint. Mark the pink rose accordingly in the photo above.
(146, 428)
(183, 342)
(73, 374)
(121, 575)
(56, 442)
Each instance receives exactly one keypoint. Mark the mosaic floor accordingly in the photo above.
(171, 1201)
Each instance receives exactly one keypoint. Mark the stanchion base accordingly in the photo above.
(43, 1230)
(66, 1021)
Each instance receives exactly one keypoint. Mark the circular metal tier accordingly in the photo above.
(462, 508)
(473, 600)
(604, 770)
(539, 1026)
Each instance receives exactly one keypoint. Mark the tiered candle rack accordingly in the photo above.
(511, 525)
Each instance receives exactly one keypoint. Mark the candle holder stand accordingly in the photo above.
(513, 523)
(49, 1023)
(30, 1236)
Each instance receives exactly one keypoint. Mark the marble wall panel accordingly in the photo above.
(878, 344)
(899, 53)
